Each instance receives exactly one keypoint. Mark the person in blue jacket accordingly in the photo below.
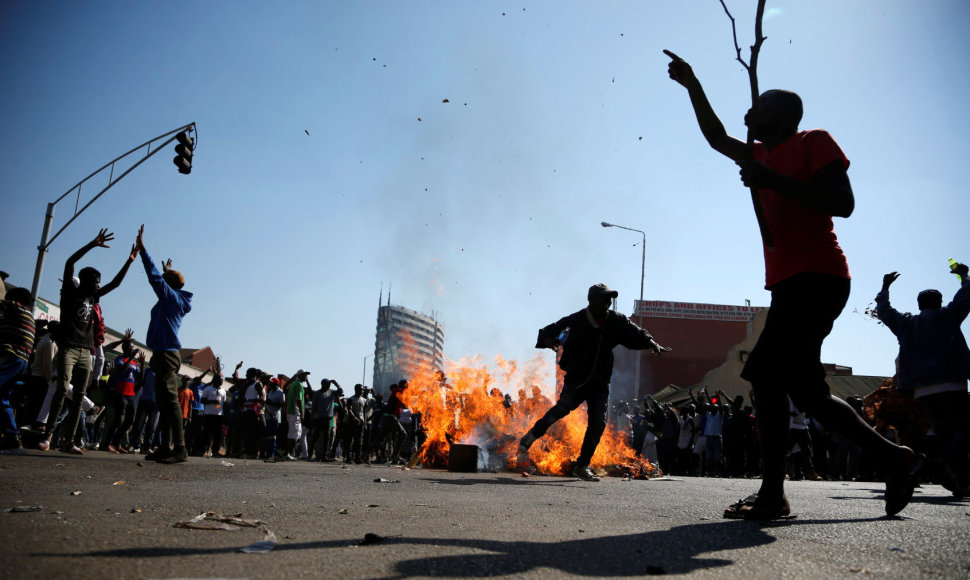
(174, 302)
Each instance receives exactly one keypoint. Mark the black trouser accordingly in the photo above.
(193, 438)
(145, 422)
(948, 414)
(352, 439)
(325, 433)
(166, 365)
(212, 434)
(124, 406)
(253, 429)
(596, 398)
(391, 428)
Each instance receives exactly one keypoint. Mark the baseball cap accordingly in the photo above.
(601, 290)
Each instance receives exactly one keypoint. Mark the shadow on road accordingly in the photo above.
(678, 550)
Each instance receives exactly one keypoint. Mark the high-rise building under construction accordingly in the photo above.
(405, 339)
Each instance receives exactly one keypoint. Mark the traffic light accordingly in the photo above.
(184, 149)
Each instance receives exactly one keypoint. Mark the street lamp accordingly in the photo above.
(643, 267)
(643, 258)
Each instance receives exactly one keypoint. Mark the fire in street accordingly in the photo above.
(466, 404)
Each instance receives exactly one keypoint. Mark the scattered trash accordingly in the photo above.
(370, 538)
(896, 550)
(76, 492)
(25, 508)
(136, 510)
(140, 464)
(382, 480)
(226, 464)
(262, 546)
(214, 521)
(373, 505)
(857, 569)
(122, 482)
(57, 513)
(524, 474)
(342, 511)
(705, 519)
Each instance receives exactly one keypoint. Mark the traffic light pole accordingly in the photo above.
(46, 239)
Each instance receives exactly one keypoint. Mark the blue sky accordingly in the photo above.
(486, 209)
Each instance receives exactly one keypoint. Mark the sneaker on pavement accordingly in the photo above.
(527, 440)
(73, 450)
(585, 473)
(44, 444)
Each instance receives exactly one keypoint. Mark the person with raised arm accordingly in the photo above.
(801, 183)
(75, 338)
(174, 302)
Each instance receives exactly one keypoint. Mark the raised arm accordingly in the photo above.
(126, 338)
(99, 241)
(711, 126)
(116, 281)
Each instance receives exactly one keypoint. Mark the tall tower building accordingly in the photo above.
(405, 339)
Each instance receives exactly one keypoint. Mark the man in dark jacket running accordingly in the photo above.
(587, 339)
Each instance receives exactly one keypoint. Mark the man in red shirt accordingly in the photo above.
(802, 184)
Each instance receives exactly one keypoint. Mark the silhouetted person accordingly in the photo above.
(587, 338)
(934, 363)
(801, 183)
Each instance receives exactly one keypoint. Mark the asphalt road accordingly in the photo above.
(110, 516)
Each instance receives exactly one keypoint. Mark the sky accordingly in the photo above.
(329, 171)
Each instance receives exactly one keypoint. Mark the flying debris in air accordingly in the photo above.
(445, 101)
(306, 131)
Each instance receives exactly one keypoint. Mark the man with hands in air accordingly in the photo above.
(801, 183)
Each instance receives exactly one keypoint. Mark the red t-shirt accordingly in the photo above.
(804, 239)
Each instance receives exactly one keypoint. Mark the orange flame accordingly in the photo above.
(467, 405)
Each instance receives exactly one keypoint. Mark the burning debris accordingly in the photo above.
(468, 424)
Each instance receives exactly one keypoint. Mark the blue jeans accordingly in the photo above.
(11, 368)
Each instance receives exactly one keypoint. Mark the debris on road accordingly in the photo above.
(262, 546)
(25, 508)
(382, 480)
(215, 521)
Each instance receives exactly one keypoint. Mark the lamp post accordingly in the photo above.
(643, 268)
